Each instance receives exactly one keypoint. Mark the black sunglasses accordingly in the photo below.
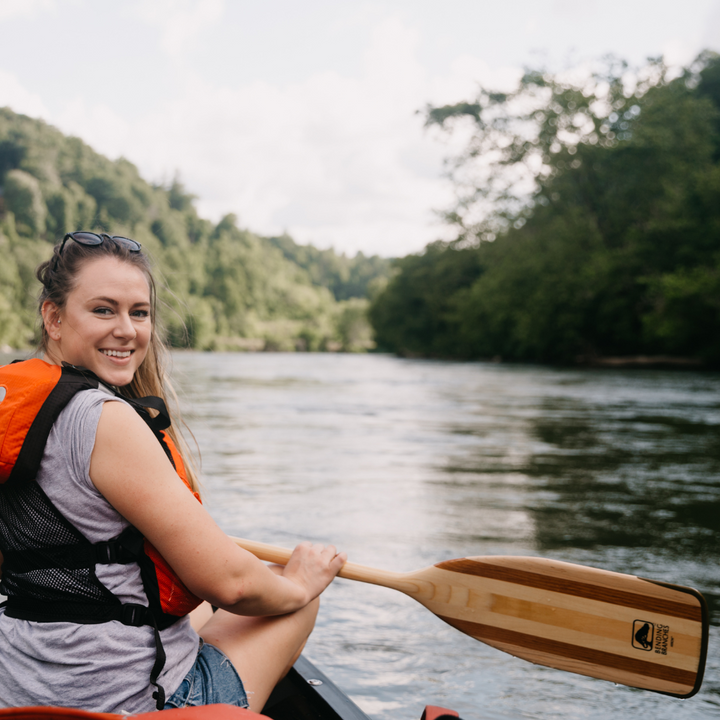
(91, 238)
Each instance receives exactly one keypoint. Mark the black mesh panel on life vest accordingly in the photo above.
(49, 570)
(29, 520)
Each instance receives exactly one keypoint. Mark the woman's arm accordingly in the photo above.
(132, 472)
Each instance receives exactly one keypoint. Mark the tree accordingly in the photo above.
(591, 206)
(414, 315)
(24, 199)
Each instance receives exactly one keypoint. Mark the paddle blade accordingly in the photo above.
(593, 622)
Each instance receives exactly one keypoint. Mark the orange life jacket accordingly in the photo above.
(32, 395)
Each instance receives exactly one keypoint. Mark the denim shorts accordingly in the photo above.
(212, 679)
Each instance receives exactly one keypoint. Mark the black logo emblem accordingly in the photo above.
(643, 635)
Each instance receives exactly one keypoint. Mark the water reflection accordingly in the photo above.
(632, 481)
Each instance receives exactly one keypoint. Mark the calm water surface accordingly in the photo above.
(406, 463)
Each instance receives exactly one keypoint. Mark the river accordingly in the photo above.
(404, 463)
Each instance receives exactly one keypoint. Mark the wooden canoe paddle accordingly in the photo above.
(603, 624)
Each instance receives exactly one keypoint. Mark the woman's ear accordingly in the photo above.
(51, 319)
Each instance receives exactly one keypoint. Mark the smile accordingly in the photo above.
(117, 353)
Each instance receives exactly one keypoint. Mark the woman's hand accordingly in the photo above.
(313, 567)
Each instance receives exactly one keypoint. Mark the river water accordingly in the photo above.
(404, 463)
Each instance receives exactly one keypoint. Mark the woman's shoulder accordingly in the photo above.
(76, 425)
(88, 401)
(68, 452)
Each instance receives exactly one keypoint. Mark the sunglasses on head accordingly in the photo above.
(91, 238)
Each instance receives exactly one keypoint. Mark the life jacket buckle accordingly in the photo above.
(134, 615)
(114, 551)
(106, 552)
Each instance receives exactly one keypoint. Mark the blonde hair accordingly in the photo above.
(58, 277)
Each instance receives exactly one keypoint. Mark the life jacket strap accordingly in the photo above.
(161, 421)
(124, 549)
(136, 616)
(111, 552)
(159, 664)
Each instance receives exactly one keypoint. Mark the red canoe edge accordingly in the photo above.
(206, 712)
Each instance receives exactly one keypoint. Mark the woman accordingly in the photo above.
(104, 472)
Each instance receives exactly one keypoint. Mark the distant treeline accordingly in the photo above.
(345, 277)
(604, 234)
(225, 287)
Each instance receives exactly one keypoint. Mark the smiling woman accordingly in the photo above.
(101, 576)
(105, 325)
(103, 290)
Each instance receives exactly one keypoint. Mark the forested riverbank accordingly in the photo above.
(588, 222)
(587, 231)
(224, 287)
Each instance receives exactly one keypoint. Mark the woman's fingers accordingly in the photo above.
(314, 566)
(335, 559)
(306, 550)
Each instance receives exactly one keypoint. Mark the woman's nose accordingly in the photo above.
(124, 327)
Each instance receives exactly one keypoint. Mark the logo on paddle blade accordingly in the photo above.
(643, 635)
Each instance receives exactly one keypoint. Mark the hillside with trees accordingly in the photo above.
(224, 287)
(588, 224)
(345, 277)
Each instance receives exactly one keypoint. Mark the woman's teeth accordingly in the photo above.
(117, 353)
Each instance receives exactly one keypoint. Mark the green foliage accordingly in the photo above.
(344, 277)
(23, 196)
(352, 327)
(687, 310)
(221, 287)
(412, 315)
(605, 233)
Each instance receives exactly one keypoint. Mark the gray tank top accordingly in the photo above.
(104, 667)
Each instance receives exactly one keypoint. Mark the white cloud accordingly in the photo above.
(15, 96)
(680, 52)
(333, 156)
(711, 38)
(23, 8)
(334, 160)
(98, 126)
(180, 21)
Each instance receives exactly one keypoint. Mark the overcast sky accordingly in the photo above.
(301, 115)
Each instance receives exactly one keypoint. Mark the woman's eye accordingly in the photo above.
(102, 311)
(141, 313)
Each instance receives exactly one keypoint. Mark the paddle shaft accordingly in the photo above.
(349, 571)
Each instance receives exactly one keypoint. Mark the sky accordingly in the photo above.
(306, 116)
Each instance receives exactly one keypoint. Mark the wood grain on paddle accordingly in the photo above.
(593, 622)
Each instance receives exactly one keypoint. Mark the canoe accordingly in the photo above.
(306, 693)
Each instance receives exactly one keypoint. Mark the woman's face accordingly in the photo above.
(105, 325)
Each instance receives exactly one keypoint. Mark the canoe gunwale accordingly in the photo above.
(326, 699)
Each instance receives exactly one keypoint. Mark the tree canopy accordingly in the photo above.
(588, 223)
